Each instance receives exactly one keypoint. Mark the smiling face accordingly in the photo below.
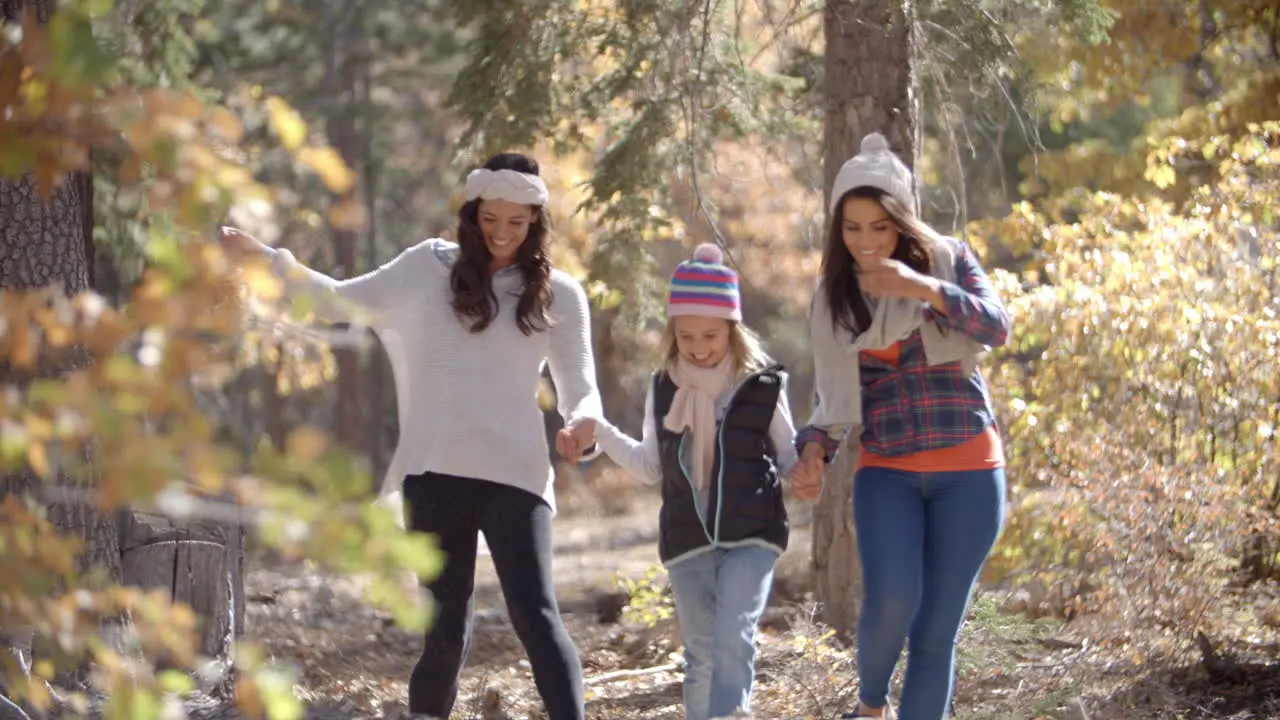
(868, 230)
(701, 341)
(505, 226)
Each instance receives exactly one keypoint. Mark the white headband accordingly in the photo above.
(510, 185)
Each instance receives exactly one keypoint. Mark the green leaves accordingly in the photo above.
(264, 690)
(174, 681)
(648, 601)
(77, 57)
(649, 91)
(1090, 21)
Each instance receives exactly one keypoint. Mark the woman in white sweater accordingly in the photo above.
(468, 328)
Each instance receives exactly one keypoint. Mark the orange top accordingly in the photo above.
(981, 452)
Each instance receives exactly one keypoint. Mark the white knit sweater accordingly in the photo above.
(467, 402)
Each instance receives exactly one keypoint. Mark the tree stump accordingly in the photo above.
(199, 563)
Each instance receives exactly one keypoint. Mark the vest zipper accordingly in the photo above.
(688, 476)
(720, 447)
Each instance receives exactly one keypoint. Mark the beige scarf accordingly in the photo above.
(694, 407)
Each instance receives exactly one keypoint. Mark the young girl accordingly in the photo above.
(468, 327)
(718, 435)
(900, 320)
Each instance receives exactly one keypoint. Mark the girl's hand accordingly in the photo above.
(806, 476)
(572, 443)
(886, 277)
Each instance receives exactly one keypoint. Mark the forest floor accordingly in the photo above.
(351, 659)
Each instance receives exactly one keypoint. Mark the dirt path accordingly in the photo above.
(351, 657)
(348, 650)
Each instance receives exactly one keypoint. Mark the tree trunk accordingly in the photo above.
(47, 241)
(43, 242)
(345, 25)
(377, 361)
(869, 87)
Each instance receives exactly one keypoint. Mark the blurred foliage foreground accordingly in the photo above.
(103, 406)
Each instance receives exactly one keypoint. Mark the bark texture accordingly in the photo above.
(869, 87)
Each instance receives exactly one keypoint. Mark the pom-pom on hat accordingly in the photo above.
(704, 286)
(876, 166)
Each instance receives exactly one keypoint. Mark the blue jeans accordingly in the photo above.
(923, 538)
(720, 595)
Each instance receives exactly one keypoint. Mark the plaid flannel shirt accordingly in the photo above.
(916, 406)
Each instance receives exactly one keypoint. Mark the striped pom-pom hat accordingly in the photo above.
(704, 286)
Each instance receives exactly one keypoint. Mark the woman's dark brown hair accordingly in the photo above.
(474, 301)
(839, 279)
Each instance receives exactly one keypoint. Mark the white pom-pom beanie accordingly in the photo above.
(704, 286)
(875, 166)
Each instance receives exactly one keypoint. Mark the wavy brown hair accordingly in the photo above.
(840, 281)
(474, 301)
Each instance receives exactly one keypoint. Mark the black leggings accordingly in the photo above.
(517, 526)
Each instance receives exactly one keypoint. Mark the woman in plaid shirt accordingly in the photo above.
(899, 322)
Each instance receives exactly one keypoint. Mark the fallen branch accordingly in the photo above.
(1059, 644)
(622, 674)
(9, 710)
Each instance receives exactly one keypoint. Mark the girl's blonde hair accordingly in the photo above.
(744, 345)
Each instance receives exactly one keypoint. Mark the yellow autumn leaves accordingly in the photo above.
(348, 213)
(324, 161)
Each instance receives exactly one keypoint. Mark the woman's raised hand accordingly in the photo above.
(886, 277)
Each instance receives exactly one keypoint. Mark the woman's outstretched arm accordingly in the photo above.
(374, 292)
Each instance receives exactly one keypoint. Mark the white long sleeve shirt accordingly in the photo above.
(642, 459)
(467, 402)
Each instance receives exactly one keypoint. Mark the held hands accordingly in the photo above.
(574, 442)
(806, 476)
(886, 277)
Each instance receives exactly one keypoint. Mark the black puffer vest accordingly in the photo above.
(745, 499)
